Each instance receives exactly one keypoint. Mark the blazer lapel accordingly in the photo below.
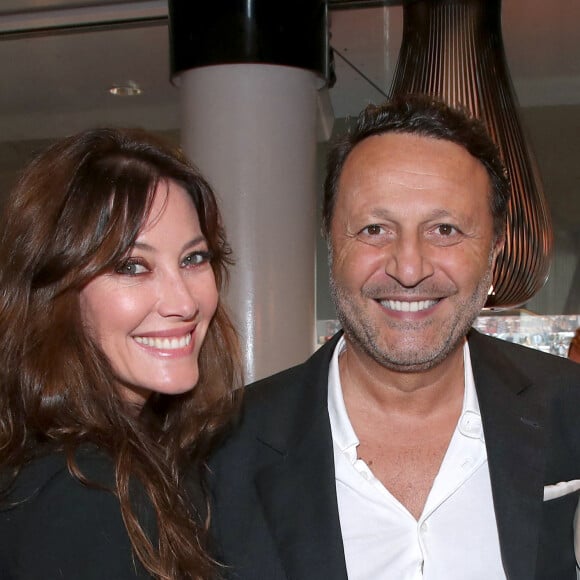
(298, 493)
(513, 423)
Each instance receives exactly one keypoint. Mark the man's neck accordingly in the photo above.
(404, 421)
(365, 382)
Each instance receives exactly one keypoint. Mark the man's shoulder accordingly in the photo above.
(277, 409)
(291, 382)
(536, 365)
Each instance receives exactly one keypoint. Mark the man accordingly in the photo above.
(410, 446)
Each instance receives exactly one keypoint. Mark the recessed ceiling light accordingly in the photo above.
(128, 89)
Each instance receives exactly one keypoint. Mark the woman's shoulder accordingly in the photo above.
(68, 525)
(50, 471)
(45, 491)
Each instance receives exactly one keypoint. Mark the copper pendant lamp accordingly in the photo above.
(453, 49)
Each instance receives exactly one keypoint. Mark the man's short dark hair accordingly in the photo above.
(424, 116)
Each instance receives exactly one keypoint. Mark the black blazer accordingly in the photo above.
(275, 513)
(59, 529)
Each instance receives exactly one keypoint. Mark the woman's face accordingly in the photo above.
(151, 314)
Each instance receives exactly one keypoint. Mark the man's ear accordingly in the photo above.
(498, 246)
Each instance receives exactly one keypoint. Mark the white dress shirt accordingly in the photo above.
(456, 535)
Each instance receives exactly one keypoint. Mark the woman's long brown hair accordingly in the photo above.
(74, 214)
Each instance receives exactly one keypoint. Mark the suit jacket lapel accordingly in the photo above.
(298, 493)
(513, 423)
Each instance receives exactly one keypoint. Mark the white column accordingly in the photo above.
(252, 131)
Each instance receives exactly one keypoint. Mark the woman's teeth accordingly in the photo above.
(165, 343)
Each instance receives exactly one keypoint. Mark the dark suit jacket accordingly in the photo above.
(275, 514)
(60, 529)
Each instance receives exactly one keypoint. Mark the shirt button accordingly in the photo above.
(468, 462)
(424, 527)
(470, 424)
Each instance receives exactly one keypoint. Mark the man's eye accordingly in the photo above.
(373, 230)
(131, 268)
(446, 229)
(197, 258)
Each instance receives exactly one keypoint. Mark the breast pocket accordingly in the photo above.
(556, 558)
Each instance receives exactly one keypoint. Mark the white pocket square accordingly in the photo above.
(561, 489)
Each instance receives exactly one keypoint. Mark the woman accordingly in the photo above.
(574, 348)
(119, 367)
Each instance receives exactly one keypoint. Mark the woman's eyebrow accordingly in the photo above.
(191, 243)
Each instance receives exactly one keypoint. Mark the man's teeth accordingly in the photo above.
(405, 306)
(165, 343)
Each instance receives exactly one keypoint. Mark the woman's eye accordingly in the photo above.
(197, 258)
(131, 268)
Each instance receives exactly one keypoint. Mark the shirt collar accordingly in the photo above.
(470, 423)
(343, 434)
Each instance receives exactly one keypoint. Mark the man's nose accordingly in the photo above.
(408, 260)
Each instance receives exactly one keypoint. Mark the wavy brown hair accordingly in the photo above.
(75, 214)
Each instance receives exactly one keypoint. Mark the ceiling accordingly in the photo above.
(59, 57)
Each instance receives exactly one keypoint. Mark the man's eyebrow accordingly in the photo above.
(385, 213)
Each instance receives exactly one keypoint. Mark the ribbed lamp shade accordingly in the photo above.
(453, 49)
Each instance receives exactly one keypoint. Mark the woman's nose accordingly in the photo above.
(176, 297)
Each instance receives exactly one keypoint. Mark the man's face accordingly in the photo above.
(412, 248)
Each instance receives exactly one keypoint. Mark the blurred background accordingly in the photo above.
(71, 64)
